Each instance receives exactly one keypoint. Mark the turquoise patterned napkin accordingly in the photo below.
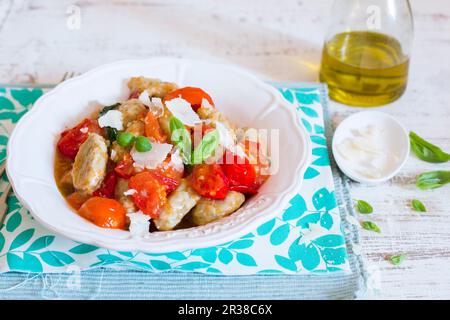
(305, 238)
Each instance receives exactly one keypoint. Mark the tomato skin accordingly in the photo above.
(125, 168)
(192, 95)
(153, 129)
(168, 175)
(104, 212)
(240, 173)
(108, 186)
(151, 195)
(71, 139)
(209, 181)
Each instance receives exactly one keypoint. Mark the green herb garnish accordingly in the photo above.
(125, 139)
(181, 138)
(397, 259)
(206, 148)
(370, 226)
(111, 133)
(142, 144)
(426, 151)
(418, 206)
(108, 108)
(364, 207)
(433, 179)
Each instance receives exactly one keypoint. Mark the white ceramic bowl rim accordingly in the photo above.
(258, 210)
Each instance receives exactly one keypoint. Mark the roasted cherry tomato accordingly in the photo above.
(168, 175)
(72, 139)
(209, 181)
(192, 95)
(259, 161)
(77, 199)
(125, 168)
(153, 129)
(104, 212)
(151, 194)
(240, 173)
(107, 187)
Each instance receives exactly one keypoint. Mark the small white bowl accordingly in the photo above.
(397, 143)
(246, 100)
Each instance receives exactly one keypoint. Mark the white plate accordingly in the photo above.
(397, 142)
(246, 100)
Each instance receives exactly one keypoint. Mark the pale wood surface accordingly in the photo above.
(277, 39)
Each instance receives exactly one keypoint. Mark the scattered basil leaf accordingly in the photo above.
(364, 207)
(426, 151)
(433, 179)
(108, 108)
(181, 138)
(397, 259)
(370, 226)
(418, 206)
(206, 148)
(111, 133)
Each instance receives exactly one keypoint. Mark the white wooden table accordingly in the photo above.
(277, 39)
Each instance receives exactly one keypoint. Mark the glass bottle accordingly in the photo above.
(367, 51)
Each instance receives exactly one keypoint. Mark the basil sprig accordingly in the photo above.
(181, 138)
(418, 206)
(108, 108)
(433, 179)
(206, 148)
(426, 151)
(111, 133)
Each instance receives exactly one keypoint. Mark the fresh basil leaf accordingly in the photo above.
(181, 138)
(426, 151)
(364, 207)
(433, 179)
(108, 108)
(370, 226)
(418, 206)
(397, 259)
(111, 133)
(206, 148)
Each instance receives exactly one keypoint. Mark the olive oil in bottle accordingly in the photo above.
(364, 68)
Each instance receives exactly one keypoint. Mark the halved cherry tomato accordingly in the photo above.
(192, 95)
(240, 173)
(107, 187)
(209, 181)
(151, 194)
(125, 168)
(168, 175)
(153, 129)
(72, 139)
(104, 212)
(258, 160)
(77, 199)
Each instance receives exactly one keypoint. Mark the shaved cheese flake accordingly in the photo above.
(129, 192)
(151, 159)
(225, 136)
(206, 104)
(157, 107)
(84, 130)
(182, 110)
(176, 161)
(139, 224)
(113, 119)
(145, 98)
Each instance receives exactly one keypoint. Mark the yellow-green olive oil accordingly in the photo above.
(364, 68)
